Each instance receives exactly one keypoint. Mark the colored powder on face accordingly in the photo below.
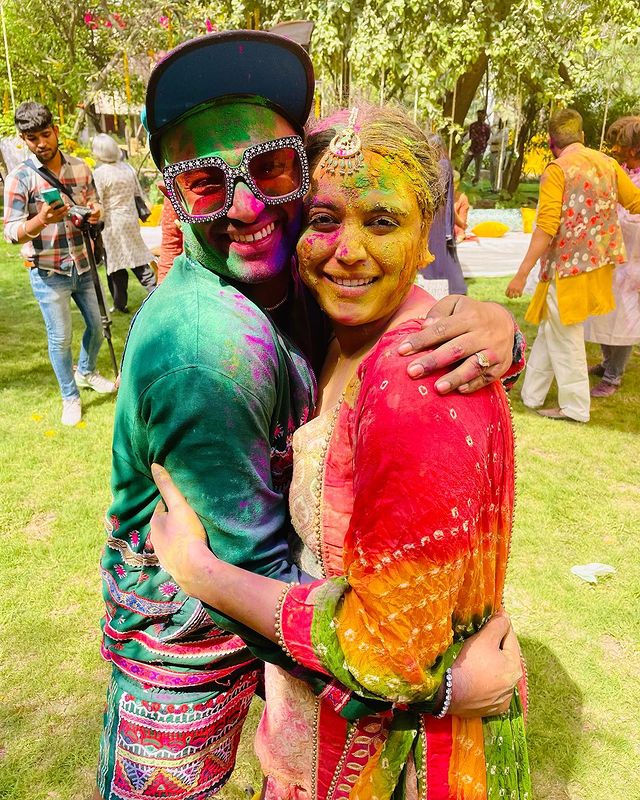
(219, 126)
(352, 210)
(226, 129)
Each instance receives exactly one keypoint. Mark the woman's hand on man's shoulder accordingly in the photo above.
(477, 336)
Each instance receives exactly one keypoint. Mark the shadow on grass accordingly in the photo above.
(554, 725)
(30, 377)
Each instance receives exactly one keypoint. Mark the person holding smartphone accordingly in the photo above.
(35, 217)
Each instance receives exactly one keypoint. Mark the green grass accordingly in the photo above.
(579, 501)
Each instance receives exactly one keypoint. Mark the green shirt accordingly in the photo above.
(211, 390)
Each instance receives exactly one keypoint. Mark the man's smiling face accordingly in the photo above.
(253, 242)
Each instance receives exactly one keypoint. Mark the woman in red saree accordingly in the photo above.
(403, 502)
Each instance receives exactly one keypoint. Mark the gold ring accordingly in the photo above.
(483, 361)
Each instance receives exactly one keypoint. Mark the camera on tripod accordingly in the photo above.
(79, 216)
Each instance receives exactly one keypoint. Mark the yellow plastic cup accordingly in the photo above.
(528, 219)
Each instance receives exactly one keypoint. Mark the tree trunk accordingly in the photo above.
(530, 112)
(466, 89)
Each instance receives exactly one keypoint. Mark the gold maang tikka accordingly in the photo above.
(345, 150)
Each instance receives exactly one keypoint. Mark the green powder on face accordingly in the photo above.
(220, 126)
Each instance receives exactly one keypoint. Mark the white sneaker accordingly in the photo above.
(94, 380)
(71, 411)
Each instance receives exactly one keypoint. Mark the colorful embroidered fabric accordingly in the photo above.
(428, 483)
(589, 236)
(196, 348)
(174, 745)
(621, 327)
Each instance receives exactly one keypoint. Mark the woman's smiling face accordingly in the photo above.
(362, 242)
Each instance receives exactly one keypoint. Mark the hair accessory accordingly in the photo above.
(345, 150)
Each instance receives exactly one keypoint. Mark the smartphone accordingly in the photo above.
(52, 197)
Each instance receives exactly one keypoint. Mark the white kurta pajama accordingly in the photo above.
(622, 326)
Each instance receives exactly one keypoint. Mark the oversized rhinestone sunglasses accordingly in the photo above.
(201, 189)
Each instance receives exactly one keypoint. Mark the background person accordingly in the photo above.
(118, 186)
(172, 242)
(578, 241)
(444, 262)
(619, 330)
(478, 133)
(460, 209)
(53, 249)
(498, 143)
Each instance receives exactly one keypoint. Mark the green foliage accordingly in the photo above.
(7, 128)
(539, 52)
(59, 49)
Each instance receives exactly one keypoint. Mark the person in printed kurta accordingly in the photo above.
(579, 242)
(618, 331)
(118, 187)
(403, 501)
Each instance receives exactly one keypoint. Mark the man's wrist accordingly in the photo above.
(34, 232)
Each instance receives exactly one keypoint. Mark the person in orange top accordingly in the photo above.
(460, 209)
(579, 242)
(172, 241)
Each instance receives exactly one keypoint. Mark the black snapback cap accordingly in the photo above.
(228, 64)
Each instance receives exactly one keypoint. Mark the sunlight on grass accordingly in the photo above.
(578, 501)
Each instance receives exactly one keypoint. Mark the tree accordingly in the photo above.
(532, 54)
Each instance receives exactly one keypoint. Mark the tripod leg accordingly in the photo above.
(104, 316)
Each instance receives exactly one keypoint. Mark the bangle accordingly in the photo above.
(278, 620)
(448, 693)
(27, 234)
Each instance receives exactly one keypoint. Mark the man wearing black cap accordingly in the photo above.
(212, 390)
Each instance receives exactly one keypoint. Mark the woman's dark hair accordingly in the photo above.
(32, 117)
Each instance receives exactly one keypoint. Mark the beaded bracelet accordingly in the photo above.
(448, 693)
(278, 620)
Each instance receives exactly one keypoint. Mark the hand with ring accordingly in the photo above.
(483, 361)
(473, 337)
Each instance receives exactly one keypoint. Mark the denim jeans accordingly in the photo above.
(53, 292)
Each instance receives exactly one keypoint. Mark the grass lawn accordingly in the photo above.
(578, 501)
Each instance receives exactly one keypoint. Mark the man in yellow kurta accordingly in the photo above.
(578, 241)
